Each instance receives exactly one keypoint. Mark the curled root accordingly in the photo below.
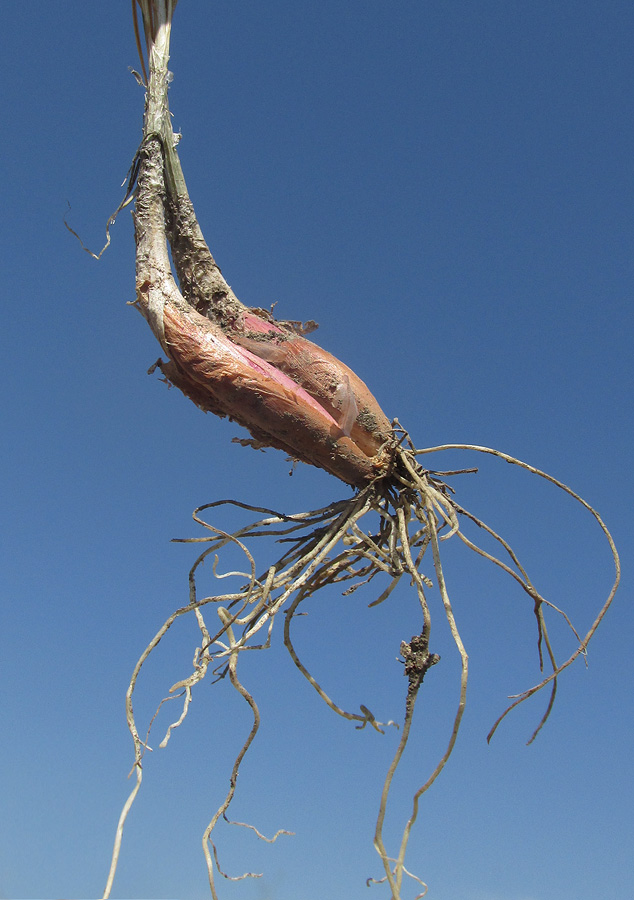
(384, 531)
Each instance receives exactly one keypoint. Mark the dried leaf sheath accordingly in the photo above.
(229, 359)
(335, 386)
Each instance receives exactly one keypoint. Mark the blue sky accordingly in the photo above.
(446, 187)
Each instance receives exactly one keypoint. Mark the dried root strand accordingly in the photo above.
(411, 513)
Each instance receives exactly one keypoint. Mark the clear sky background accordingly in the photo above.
(447, 188)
